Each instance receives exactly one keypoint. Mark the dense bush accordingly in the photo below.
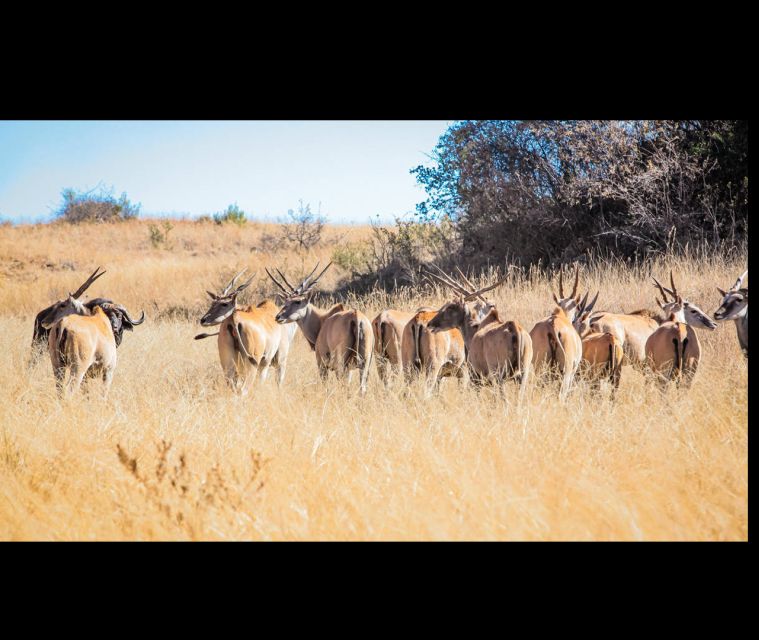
(97, 205)
(551, 191)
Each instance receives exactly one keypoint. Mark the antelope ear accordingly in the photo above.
(213, 296)
(722, 293)
(659, 303)
(556, 300)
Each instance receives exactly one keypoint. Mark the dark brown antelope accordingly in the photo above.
(83, 341)
(496, 349)
(734, 307)
(435, 354)
(341, 339)
(388, 327)
(39, 338)
(250, 339)
(673, 351)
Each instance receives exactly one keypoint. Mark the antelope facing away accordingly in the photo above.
(734, 307)
(388, 327)
(436, 354)
(673, 351)
(555, 342)
(39, 339)
(250, 339)
(602, 353)
(634, 329)
(84, 341)
(341, 339)
(496, 349)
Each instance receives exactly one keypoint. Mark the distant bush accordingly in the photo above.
(354, 257)
(393, 256)
(305, 227)
(97, 205)
(232, 213)
(159, 237)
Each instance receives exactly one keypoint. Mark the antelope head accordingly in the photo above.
(570, 303)
(734, 301)
(120, 319)
(296, 299)
(224, 303)
(682, 309)
(70, 305)
(468, 305)
(582, 319)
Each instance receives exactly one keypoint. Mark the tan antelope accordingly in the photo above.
(556, 345)
(388, 327)
(734, 307)
(496, 349)
(83, 341)
(39, 338)
(341, 338)
(634, 329)
(602, 353)
(673, 351)
(435, 354)
(250, 339)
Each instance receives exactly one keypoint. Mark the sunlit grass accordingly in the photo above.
(173, 454)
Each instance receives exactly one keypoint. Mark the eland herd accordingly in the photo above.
(467, 338)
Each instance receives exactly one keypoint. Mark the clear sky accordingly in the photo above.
(356, 169)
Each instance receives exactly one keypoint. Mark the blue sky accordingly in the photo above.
(356, 169)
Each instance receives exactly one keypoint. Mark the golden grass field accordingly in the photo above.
(173, 454)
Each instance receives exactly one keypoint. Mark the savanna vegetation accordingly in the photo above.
(172, 453)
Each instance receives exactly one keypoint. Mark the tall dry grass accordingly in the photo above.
(173, 454)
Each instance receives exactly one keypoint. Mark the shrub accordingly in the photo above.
(97, 205)
(354, 257)
(232, 213)
(305, 227)
(158, 237)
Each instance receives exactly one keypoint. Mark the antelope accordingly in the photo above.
(555, 341)
(496, 349)
(634, 329)
(387, 327)
(602, 352)
(84, 341)
(673, 351)
(341, 338)
(250, 340)
(735, 307)
(40, 336)
(438, 353)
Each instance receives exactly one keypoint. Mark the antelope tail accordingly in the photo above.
(60, 345)
(234, 331)
(360, 342)
(677, 366)
(417, 329)
(383, 343)
(200, 336)
(516, 344)
(554, 343)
